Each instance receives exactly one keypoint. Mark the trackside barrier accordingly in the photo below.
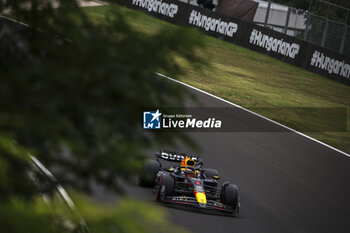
(288, 49)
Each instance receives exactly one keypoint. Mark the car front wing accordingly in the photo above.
(191, 201)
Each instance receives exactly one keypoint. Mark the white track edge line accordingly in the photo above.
(254, 113)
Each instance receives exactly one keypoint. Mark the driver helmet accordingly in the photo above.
(187, 162)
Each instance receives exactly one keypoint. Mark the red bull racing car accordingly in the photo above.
(188, 183)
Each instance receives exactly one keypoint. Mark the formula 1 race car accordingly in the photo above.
(188, 183)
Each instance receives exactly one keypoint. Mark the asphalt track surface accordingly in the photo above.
(288, 183)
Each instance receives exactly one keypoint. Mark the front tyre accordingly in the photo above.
(165, 187)
(230, 196)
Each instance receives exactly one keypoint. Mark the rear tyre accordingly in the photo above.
(210, 173)
(229, 196)
(149, 173)
(165, 187)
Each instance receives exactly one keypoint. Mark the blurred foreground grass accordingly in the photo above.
(128, 215)
(256, 81)
(43, 216)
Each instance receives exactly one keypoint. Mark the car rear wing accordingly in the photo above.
(176, 156)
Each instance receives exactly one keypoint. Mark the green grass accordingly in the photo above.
(255, 81)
